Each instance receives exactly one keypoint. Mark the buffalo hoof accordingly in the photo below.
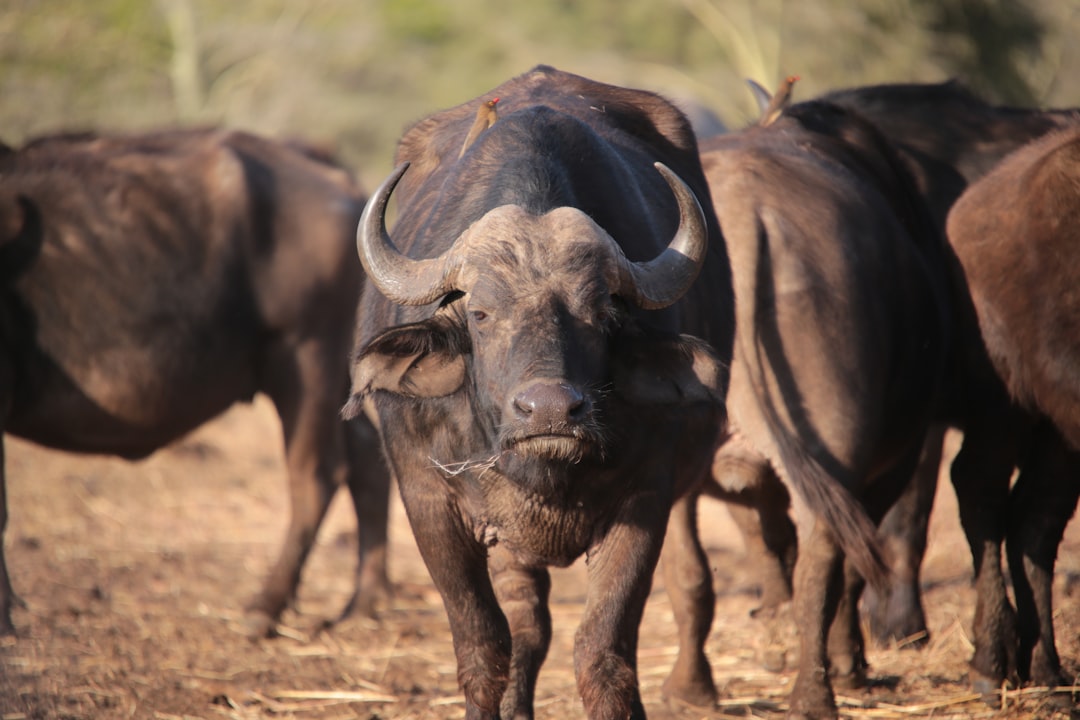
(812, 711)
(365, 605)
(7, 628)
(774, 658)
(780, 636)
(258, 625)
(698, 694)
(897, 618)
(855, 679)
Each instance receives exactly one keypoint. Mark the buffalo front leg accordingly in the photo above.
(523, 594)
(369, 484)
(620, 576)
(458, 566)
(689, 586)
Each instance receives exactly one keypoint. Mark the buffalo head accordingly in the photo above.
(535, 327)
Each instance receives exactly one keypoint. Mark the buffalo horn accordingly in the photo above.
(400, 278)
(663, 280)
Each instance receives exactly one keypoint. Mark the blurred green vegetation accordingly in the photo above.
(353, 73)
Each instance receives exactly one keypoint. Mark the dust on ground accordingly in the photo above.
(136, 574)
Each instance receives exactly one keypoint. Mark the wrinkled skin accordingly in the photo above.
(840, 348)
(534, 390)
(151, 281)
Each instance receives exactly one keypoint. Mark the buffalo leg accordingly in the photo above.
(897, 615)
(314, 458)
(818, 585)
(847, 646)
(760, 511)
(458, 566)
(847, 649)
(620, 576)
(369, 483)
(1040, 506)
(7, 595)
(523, 594)
(980, 474)
(689, 586)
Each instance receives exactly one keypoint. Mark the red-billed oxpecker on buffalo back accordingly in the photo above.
(1016, 234)
(949, 138)
(544, 348)
(150, 281)
(841, 339)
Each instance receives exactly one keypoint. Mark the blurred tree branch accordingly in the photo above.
(184, 67)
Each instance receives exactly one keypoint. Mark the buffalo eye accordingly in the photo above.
(609, 315)
(479, 316)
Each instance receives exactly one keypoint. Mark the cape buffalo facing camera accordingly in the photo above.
(544, 349)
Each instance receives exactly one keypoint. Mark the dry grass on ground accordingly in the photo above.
(135, 575)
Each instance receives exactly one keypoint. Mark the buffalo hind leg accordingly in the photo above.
(897, 615)
(369, 483)
(8, 599)
(523, 594)
(307, 403)
(818, 586)
(760, 511)
(981, 473)
(689, 586)
(1040, 506)
(847, 646)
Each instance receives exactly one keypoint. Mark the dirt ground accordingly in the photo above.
(135, 575)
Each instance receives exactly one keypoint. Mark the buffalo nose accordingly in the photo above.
(551, 403)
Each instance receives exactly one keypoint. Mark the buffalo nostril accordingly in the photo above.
(551, 403)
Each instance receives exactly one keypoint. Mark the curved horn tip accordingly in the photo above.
(677, 184)
(401, 279)
(664, 279)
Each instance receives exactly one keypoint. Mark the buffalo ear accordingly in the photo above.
(669, 371)
(420, 360)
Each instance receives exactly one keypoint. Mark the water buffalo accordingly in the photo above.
(1016, 233)
(149, 281)
(842, 332)
(546, 373)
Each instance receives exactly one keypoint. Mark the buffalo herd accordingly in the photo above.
(584, 318)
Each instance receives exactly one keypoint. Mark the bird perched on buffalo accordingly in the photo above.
(486, 115)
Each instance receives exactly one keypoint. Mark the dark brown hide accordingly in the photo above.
(153, 280)
(840, 346)
(950, 138)
(1017, 236)
(533, 404)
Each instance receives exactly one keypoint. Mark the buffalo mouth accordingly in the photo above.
(556, 446)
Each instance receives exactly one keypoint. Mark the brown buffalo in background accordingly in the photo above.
(1016, 233)
(842, 332)
(150, 281)
(947, 137)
